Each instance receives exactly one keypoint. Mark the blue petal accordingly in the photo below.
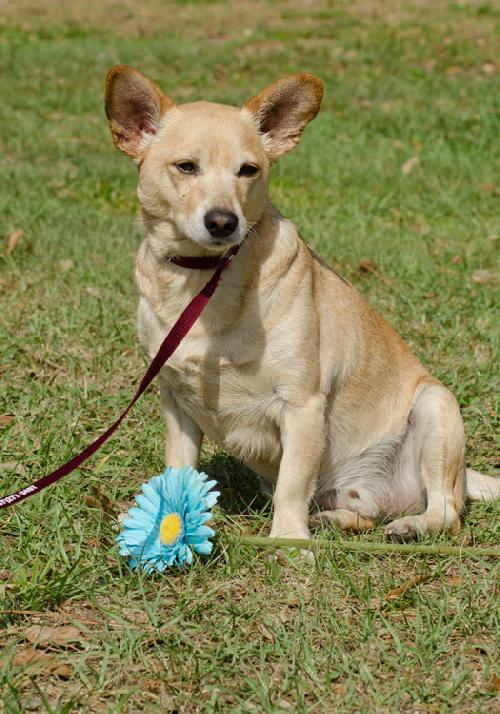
(204, 548)
(148, 505)
(204, 531)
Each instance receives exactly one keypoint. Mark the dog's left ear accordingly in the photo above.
(283, 109)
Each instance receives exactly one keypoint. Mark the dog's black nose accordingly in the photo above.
(220, 223)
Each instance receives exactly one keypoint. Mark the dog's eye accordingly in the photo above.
(248, 170)
(186, 167)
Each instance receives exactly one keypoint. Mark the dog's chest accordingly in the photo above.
(229, 384)
(224, 386)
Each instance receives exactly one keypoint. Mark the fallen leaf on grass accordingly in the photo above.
(489, 68)
(13, 466)
(369, 266)
(495, 683)
(266, 633)
(339, 688)
(409, 165)
(98, 499)
(95, 292)
(14, 239)
(46, 635)
(483, 277)
(483, 648)
(28, 654)
(284, 705)
(482, 354)
(407, 585)
(48, 664)
(6, 419)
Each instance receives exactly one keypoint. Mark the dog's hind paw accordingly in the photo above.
(403, 530)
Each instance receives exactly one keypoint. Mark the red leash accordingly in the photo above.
(184, 323)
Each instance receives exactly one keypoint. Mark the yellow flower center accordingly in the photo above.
(170, 527)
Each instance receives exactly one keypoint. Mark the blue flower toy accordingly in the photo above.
(168, 522)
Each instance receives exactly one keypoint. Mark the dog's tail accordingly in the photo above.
(480, 487)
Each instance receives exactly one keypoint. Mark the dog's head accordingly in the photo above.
(203, 167)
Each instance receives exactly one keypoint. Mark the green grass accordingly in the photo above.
(242, 632)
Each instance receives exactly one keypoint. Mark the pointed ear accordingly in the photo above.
(283, 109)
(134, 106)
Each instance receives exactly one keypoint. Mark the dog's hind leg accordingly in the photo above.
(438, 447)
(343, 519)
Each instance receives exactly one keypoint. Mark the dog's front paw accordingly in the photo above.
(285, 552)
(290, 533)
(285, 555)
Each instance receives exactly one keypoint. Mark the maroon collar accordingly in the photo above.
(204, 262)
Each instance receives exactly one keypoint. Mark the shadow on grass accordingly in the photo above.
(238, 485)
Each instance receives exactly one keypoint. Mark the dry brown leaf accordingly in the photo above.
(407, 585)
(98, 705)
(495, 683)
(48, 663)
(483, 277)
(267, 634)
(26, 655)
(483, 648)
(95, 292)
(482, 354)
(489, 68)
(453, 70)
(6, 419)
(369, 266)
(409, 165)
(284, 705)
(46, 635)
(4, 574)
(98, 499)
(63, 670)
(14, 239)
(13, 466)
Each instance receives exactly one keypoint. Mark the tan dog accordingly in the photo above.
(288, 368)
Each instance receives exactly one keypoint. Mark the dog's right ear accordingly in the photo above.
(134, 106)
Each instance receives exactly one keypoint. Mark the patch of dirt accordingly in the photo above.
(217, 20)
(212, 21)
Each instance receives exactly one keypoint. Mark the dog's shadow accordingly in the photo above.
(239, 487)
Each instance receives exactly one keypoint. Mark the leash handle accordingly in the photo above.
(180, 329)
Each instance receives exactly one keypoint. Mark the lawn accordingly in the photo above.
(396, 185)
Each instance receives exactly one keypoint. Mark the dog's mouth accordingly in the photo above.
(224, 241)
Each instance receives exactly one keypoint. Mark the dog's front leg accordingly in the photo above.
(302, 440)
(184, 436)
